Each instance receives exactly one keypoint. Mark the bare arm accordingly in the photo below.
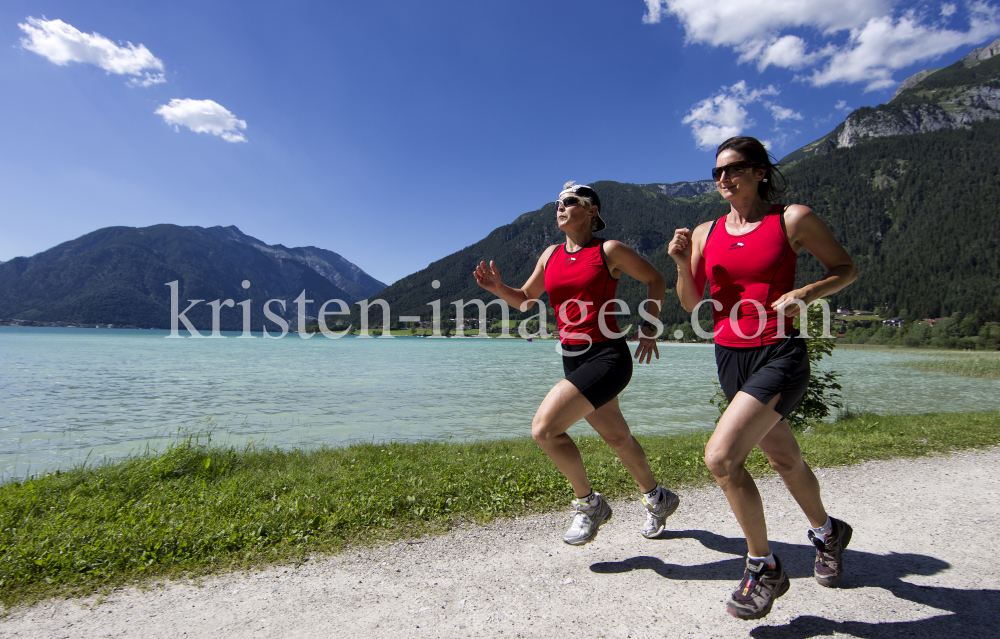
(520, 298)
(806, 230)
(688, 251)
(622, 259)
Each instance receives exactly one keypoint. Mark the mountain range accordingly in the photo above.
(909, 187)
(118, 275)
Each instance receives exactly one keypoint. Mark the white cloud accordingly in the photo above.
(788, 52)
(885, 44)
(878, 41)
(728, 23)
(62, 43)
(203, 116)
(745, 95)
(716, 119)
(842, 106)
(781, 113)
(653, 12)
(148, 80)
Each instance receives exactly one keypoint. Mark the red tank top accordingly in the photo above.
(758, 266)
(579, 284)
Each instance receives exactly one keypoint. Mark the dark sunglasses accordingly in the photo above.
(732, 169)
(567, 201)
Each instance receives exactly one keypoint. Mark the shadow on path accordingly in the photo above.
(974, 612)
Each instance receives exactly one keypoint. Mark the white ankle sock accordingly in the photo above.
(769, 560)
(824, 531)
(654, 496)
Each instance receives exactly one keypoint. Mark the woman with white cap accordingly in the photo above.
(581, 276)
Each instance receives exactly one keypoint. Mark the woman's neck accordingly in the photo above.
(749, 211)
(576, 240)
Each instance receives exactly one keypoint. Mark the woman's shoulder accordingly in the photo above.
(547, 253)
(795, 212)
(702, 230)
(705, 226)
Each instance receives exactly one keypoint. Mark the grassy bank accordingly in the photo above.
(192, 510)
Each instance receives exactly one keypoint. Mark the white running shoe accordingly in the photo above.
(656, 519)
(589, 517)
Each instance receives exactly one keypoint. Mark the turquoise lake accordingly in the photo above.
(67, 395)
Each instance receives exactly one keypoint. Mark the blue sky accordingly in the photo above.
(395, 132)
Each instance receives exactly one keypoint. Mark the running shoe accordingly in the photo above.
(829, 564)
(588, 518)
(755, 595)
(656, 518)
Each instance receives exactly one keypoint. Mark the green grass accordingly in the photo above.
(192, 510)
(974, 364)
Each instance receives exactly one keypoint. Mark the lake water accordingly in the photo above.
(69, 393)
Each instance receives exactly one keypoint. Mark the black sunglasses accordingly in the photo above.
(732, 169)
(567, 201)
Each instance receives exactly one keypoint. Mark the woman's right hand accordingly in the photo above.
(488, 277)
(680, 247)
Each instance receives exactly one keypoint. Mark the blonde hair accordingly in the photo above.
(586, 201)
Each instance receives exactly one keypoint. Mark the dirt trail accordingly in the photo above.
(920, 565)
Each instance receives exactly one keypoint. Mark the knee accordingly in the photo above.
(785, 464)
(617, 441)
(541, 429)
(721, 463)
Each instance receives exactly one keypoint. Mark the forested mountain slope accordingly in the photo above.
(919, 213)
(118, 275)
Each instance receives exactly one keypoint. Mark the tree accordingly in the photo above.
(822, 393)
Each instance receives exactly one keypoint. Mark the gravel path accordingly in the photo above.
(920, 565)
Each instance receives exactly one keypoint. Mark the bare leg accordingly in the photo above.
(561, 408)
(610, 424)
(783, 453)
(744, 424)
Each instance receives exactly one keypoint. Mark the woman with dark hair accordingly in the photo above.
(748, 256)
(581, 276)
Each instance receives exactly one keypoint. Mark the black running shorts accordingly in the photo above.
(600, 371)
(764, 371)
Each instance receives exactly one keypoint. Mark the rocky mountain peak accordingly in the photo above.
(912, 81)
(952, 97)
(970, 60)
(684, 189)
(982, 53)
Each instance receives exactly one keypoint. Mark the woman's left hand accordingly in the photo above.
(787, 303)
(647, 348)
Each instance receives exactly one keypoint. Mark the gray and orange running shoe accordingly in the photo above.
(829, 566)
(761, 585)
(589, 517)
(656, 516)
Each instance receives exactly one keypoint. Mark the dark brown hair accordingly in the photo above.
(773, 185)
